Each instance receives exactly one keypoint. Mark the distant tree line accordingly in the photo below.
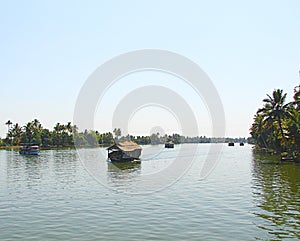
(153, 139)
(276, 125)
(62, 135)
(67, 135)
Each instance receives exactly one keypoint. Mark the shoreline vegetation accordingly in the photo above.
(276, 126)
(67, 135)
(275, 130)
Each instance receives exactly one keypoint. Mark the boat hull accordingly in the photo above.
(29, 149)
(29, 152)
(118, 156)
(169, 145)
(123, 159)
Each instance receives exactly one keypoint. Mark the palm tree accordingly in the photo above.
(8, 123)
(56, 127)
(69, 128)
(60, 133)
(275, 109)
(29, 131)
(293, 125)
(277, 124)
(36, 123)
(257, 131)
(63, 128)
(57, 131)
(296, 101)
(117, 132)
(16, 133)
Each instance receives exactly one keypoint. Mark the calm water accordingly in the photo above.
(52, 197)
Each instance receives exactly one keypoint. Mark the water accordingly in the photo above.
(52, 197)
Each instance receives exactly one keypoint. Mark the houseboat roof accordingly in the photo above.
(169, 142)
(125, 146)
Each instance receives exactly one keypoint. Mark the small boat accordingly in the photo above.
(29, 149)
(242, 144)
(285, 156)
(124, 151)
(169, 144)
(230, 143)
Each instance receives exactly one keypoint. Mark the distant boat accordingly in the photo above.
(285, 156)
(230, 143)
(29, 149)
(169, 144)
(124, 151)
(242, 144)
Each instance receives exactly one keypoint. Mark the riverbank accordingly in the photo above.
(9, 147)
(281, 156)
(54, 147)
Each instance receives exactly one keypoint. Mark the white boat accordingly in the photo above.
(29, 149)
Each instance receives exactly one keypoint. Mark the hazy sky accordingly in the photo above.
(49, 48)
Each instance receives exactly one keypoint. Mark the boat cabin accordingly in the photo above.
(169, 144)
(230, 143)
(29, 149)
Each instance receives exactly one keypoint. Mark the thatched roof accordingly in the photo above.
(170, 142)
(125, 146)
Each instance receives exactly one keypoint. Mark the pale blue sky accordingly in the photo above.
(49, 48)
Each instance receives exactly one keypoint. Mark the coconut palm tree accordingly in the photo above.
(36, 123)
(16, 133)
(117, 132)
(8, 123)
(69, 128)
(296, 102)
(257, 131)
(293, 125)
(29, 131)
(277, 125)
(275, 110)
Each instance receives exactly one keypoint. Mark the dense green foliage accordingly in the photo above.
(276, 124)
(61, 135)
(65, 135)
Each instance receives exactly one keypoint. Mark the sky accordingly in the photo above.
(48, 49)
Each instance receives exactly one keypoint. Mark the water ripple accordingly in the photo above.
(52, 197)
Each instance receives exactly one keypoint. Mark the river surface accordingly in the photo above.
(53, 197)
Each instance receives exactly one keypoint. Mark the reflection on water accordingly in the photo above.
(124, 167)
(52, 196)
(122, 174)
(31, 172)
(276, 192)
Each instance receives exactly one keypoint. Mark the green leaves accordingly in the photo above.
(276, 124)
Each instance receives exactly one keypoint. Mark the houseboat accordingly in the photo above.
(124, 151)
(230, 143)
(29, 149)
(169, 144)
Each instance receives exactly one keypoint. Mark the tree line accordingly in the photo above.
(62, 135)
(67, 135)
(276, 125)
